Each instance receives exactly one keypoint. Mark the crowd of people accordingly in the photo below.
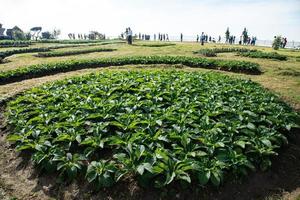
(283, 42)
(202, 38)
(247, 40)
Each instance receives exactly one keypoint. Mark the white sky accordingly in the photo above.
(263, 19)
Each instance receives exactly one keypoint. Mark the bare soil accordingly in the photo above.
(19, 179)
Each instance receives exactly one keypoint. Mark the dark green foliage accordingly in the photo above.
(157, 126)
(260, 54)
(51, 68)
(13, 43)
(73, 52)
(213, 52)
(277, 42)
(4, 54)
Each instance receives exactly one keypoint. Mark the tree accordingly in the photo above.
(18, 35)
(227, 35)
(35, 32)
(245, 36)
(56, 33)
(47, 35)
(277, 42)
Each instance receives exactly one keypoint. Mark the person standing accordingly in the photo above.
(202, 38)
(129, 35)
(167, 35)
(154, 37)
(181, 37)
(219, 40)
(197, 38)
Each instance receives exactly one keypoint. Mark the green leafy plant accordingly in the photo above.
(158, 127)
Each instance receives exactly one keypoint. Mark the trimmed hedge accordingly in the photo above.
(52, 68)
(213, 52)
(260, 54)
(74, 52)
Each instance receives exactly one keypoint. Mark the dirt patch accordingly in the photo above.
(20, 179)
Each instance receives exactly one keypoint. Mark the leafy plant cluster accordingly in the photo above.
(73, 52)
(158, 127)
(267, 55)
(50, 68)
(213, 52)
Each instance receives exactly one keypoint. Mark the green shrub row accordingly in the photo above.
(156, 45)
(213, 52)
(52, 68)
(158, 127)
(7, 53)
(80, 41)
(73, 52)
(260, 54)
(14, 45)
(14, 42)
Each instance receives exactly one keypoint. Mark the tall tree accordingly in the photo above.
(35, 32)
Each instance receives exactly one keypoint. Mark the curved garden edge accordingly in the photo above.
(35, 71)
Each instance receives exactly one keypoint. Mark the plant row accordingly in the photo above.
(14, 45)
(73, 52)
(213, 52)
(156, 45)
(79, 41)
(266, 55)
(14, 42)
(159, 127)
(52, 68)
(252, 53)
(4, 54)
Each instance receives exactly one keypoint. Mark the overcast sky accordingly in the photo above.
(263, 19)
